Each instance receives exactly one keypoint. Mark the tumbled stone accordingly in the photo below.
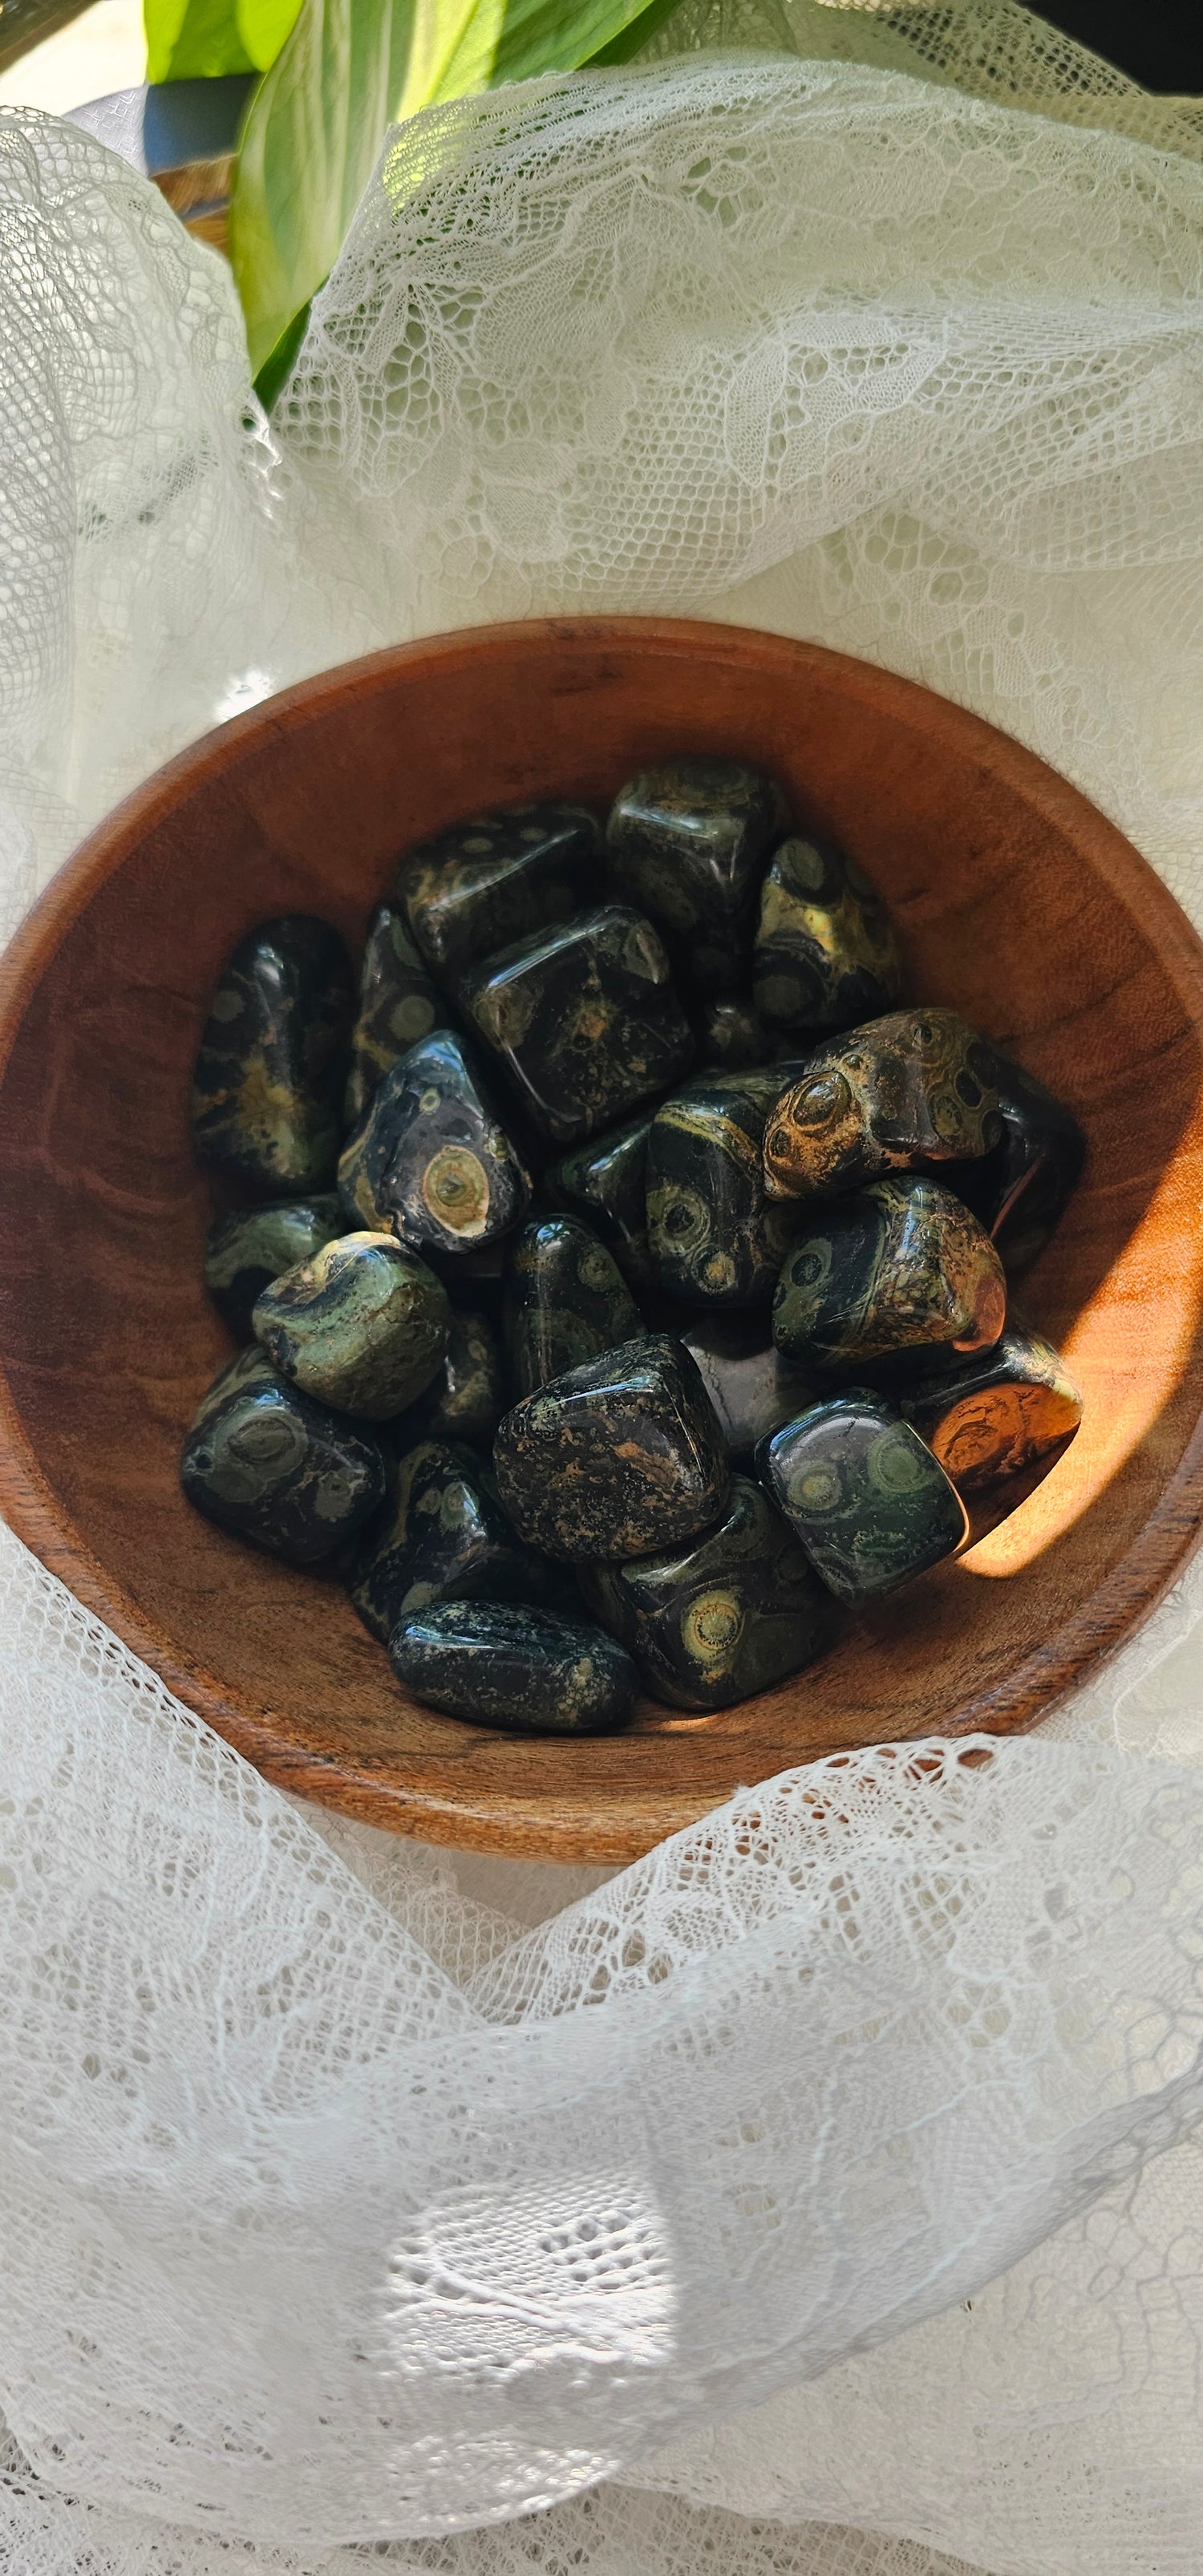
(496, 878)
(731, 1033)
(362, 1326)
(825, 954)
(753, 1387)
(604, 1181)
(585, 1020)
(565, 1301)
(868, 1501)
(465, 1399)
(431, 1159)
(245, 1251)
(267, 1086)
(614, 1458)
(498, 1664)
(445, 1538)
(270, 1465)
(689, 840)
(398, 1004)
(913, 1088)
(712, 1230)
(999, 1423)
(722, 1617)
(1021, 1188)
(898, 1270)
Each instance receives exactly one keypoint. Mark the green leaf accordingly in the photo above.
(201, 39)
(349, 69)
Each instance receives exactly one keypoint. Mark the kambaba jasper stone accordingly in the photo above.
(267, 1086)
(913, 1088)
(722, 1617)
(616, 1457)
(566, 1301)
(398, 1004)
(465, 1399)
(531, 1671)
(730, 1032)
(604, 1181)
(897, 1271)
(713, 1232)
(752, 1386)
(585, 1020)
(999, 1424)
(497, 878)
(271, 1466)
(825, 955)
(362, 1326)
(868, 1501)
(689, 840)
(245, 1251)
(431, 1159)
(1020, 1189)
(445, 1538)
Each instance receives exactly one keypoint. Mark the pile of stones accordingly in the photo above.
(624, 1282)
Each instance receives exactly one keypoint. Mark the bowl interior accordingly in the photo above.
(1017, 903)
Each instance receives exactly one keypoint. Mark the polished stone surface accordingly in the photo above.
(999, 1423)
(398, 1004)
(273, 1467)
(246, 1250)
(1021, 1189)
(586, 1020)
(895, 1272)
(363, 1325)
(614, 1458)
(722, 1617)
(566, 1301)
(267, 1086)
(914, 1088)
(444, 1538)
(870, 1504)
(825, 954)
(497, 1664)
(604, 1181)
(730, 1032)
(715, 1235)
(431, 1158)
(753, 1387)
(466, 1398)
(688, 840)
(496, 878)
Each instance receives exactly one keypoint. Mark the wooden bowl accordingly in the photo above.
(1017, 902)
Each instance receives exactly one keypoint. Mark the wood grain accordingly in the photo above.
(1018, 904)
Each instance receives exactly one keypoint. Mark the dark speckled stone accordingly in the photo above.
(999, 1423)
(753, 1387)
(825, 953)
(1020, 1190)
(363, 1326)
(689, 841)
(465, 1399)
(870, 1504)
(603, 1181)
(398, 1004)
(584, 1019)
(614, 1458)
(445, 1538)
(500, 1665)
(271, 1466)
(730, 1033)
(497, 878)
(267, 1086)
(715, 1235)
(566, 1301)
(723, 1617)
(914, 1088)
(899, 1270)
(246, 1251)
(431, 1159)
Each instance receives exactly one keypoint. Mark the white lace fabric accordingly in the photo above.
(825, 2191)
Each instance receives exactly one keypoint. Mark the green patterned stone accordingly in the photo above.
(897, 1272)
(267, 1086)
(614, 1458)
(689, 839)
(530, 1671)
(398, 1004)
(825, 954)
(868, 1501)
(714, 1234)
(362, 1326)
(729, 1032)
(914, 1088)
(496, 878)
(753, 1387)
(1021, 1189)
(271, 1466)
(722, 1617)
(566, 1301)
(999, 1423)
(445, 1538)
(604, 1182)
(431, 1159)
(245, 1251)
(465, 1399)
(585, 1020)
